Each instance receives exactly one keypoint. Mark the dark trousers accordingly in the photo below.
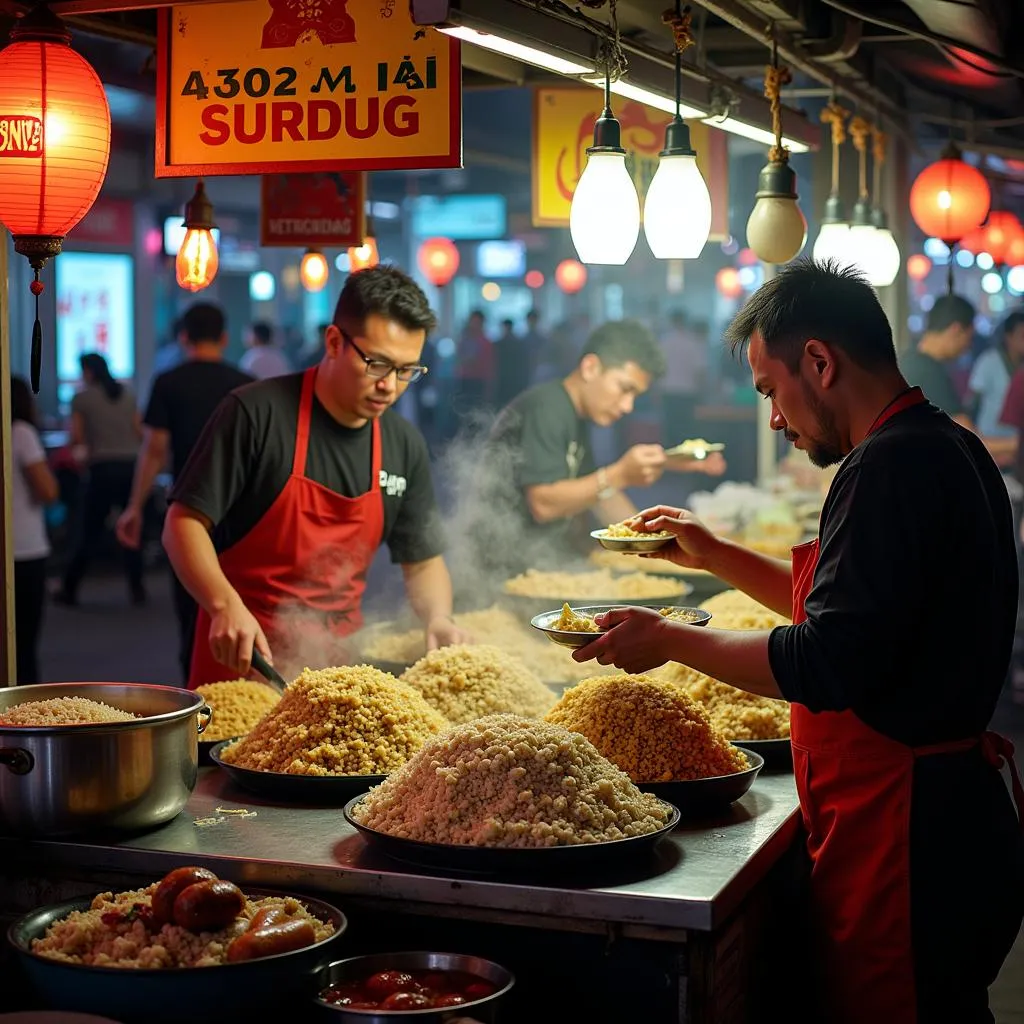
(29, 604)
(109, 486)
(186, 610)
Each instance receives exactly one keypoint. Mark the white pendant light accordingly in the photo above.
(604, 218)
(776, 228)
(885, 259)
(860, 242)
(677, 210)
(834, 234)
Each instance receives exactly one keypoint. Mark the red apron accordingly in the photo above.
(855, 791)
(301, 570)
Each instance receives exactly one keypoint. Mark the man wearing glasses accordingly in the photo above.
(297, 481)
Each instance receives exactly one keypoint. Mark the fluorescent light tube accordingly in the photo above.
(752, 132)
(519, 51)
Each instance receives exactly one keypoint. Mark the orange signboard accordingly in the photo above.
(563, 128)
(323, 209)
(272, 86)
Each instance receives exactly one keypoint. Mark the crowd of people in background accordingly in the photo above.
(118, 450)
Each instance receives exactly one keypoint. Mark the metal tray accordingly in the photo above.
(495, 859)
(227, 992)
(325, 790)
(776, 753)
(702, 796)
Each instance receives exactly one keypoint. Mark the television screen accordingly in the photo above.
(501, 259)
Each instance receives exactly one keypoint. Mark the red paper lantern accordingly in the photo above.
(973, 242)
(534, 279)
(314, 271)
(1000, 231)
(439, 260)
(949, 198)
(58, 143)
(1015, 251)
(361, 257)
(918, 266)
(727, 281)
(570, 276)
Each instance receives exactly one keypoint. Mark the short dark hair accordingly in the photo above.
(202, 321)
(262, 332)
(23, 406)
(618, 342)
(384, 291)
(949, 310)
(823, 300)
(1012, 322)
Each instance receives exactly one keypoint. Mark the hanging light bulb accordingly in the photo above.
(604, 219)
(861, 239)
(833, 236)
(196, 265)
(883, 263)
(314, 271)
(777, 228)
(677, 211)
(366, 255)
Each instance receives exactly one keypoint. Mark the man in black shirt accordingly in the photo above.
(180, 404)
(538, 476)
(295, 483)
(904, 621)
(946, 338)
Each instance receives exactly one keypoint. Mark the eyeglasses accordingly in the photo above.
(380, 368)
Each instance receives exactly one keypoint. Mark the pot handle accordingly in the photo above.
(18, 761)
(205, 713)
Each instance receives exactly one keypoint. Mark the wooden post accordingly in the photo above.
(7, 470)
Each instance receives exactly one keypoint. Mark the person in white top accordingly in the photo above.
(33, 486)
(263, 358)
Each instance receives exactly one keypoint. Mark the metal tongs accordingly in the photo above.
(696, 449)
(268, 671)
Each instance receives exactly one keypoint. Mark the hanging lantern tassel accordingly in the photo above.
(36, 288)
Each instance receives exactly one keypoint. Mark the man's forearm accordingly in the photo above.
(191, 552)
(768, 580)
(428, 587)
(147, 467)
(615, 509)
(564, 498)
(737, 657)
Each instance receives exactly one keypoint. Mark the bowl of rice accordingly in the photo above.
(623, 537)
(95, 955)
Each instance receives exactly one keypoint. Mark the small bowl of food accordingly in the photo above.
(622, 537)
(694, 448)
(432, 987)
(575, 627)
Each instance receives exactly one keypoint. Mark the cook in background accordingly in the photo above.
(475, 362)
(263, 358)
(898, 778)
(537, 477)
(181, 402)
(295, 483)
(33, 487)
(105, 430)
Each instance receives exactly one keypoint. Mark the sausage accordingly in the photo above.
(208, 906)
(267, 916)
(170, 886)
(270, 940)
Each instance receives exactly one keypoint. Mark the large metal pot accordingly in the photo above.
(61, 780)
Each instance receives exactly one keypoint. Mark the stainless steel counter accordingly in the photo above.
(695, 879)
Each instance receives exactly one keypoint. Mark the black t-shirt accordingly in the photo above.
(911, 617)
(537, 439)
(183, 399)
(244, 458)
(932, 377)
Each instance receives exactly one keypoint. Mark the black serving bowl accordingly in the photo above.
(480, 1011)
(223, 993)
(705, 796)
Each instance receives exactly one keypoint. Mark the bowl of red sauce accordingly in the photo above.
(430, 987)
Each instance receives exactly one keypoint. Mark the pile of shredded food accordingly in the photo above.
(339, 721)
(575, 622)
(466, 681)
(651, 729)
(734, 713)
(237, 707)
(511, 782)
(592, 586)
(63, 711)
(624, 530)
(495, 626)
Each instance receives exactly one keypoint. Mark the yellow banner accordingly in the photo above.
(563, 128)
(275, 86)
